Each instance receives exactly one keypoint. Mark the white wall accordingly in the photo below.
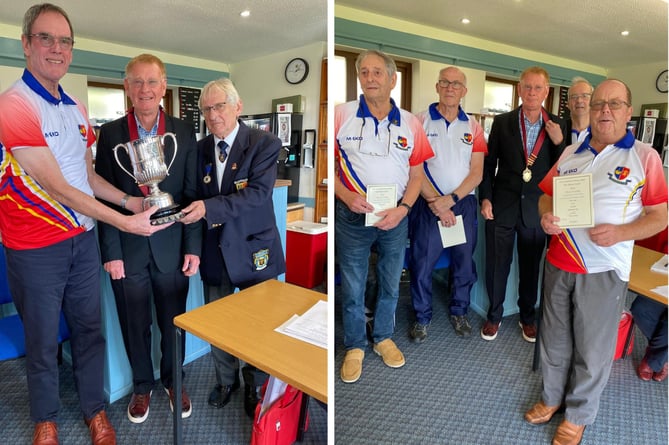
(261, 80)
(641, 80)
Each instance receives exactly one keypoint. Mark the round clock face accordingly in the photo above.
(296, 70)
(661, 82)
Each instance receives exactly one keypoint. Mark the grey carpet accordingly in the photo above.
(470, 391)
(226, 426)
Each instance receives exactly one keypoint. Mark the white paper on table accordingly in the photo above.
(661, 265)
(454, 235)
(662, 290)
(382, 197)
(275, 389)
(311, 327)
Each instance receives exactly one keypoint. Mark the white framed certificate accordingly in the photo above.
(382, 197)
(572, 201)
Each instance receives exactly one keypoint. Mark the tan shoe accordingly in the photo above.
(540, 413)
(102, 432)
(390, 354)
(46, 433)
(568, 433)
(351, 369)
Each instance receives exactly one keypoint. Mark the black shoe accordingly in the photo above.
(250, 392)
(220, 395)
(461, 325)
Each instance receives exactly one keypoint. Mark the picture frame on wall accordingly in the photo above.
(648, 130)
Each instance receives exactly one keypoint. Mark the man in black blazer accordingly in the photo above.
(241, 243)
(157, 266)
(522, 147)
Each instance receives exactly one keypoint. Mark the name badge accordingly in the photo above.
(241, 183)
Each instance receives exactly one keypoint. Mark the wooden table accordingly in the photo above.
(243, 325)
(642, 279)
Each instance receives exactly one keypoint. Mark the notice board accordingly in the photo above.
(188, 109)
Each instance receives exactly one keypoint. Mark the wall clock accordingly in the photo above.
(296, 70)
(661, 82)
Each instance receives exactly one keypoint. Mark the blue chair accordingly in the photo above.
(12, 341)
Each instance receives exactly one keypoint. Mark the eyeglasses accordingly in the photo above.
(216, 107)
(613, 105)
(139, 83)
(47, 40)
(456, 85)
(584, 96)
(536, 88)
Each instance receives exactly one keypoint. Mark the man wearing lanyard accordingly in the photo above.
(155, 268)
(377, 144)
(523, 145)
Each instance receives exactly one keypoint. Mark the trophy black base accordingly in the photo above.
(167, 215)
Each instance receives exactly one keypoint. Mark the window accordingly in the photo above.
(347, 88)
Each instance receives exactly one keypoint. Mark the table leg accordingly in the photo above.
(304, 410)
(176, 383)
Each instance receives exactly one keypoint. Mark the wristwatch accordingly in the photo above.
(455, 198)
(124, 201)
(407, 206)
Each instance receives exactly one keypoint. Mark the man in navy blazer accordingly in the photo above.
(160, 266)
(522, 147)
(241, 243)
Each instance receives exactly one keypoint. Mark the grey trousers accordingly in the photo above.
(578, 337)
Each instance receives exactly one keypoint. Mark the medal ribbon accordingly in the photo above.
(134, 133)
(529, 160)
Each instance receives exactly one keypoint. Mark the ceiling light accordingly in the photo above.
(464, 21)
(625, 33)
(245, 13)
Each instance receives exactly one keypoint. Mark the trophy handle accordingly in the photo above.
(174, 155)
(119, 162)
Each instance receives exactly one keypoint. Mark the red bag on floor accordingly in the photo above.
(625, 334)
(279, 424)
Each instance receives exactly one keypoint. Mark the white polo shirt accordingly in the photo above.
(369, 151)
(626, 176)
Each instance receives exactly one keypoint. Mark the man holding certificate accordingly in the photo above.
(378, 156)
(523, 145)
(447, 201)
(587, 268)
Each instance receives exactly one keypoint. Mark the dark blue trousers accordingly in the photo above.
(67, 275)
(651, 317)
(425, 250)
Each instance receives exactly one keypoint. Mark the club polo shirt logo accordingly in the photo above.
(82, 131)
(402, 143)
(620, 174)
(467, 138)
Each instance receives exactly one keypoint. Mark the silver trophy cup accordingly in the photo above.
(148, 164)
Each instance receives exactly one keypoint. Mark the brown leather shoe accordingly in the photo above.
(540, 413)
(46, 433)
(102, 432)
(138, 408)
(568, 433)
(661, 374)
(186, 407)
(644, 371)
(529, 331)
